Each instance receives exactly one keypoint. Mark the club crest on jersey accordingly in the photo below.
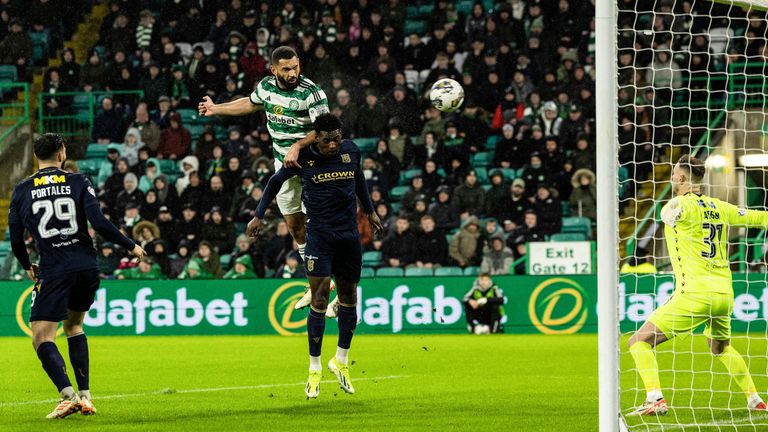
(345, 158)
(311, 162)
(310, 265)
(277, 109)
(294, 105)
(742, 212)
(50, 179)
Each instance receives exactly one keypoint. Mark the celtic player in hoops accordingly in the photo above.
(56, 206)
(333, 182)
(292, 103)
(696, 231)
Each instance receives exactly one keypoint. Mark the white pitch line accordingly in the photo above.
(736, 421)
(200, 390)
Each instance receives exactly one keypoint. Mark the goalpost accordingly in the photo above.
(680, 77)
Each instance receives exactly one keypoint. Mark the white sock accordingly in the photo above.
(84, 393)
(341, 355)
(67, 393)
(654, 395)
(314, 363)
(302, 246)
(753, 400)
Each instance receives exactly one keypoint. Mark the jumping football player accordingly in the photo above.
(292, 102)
(55, 206)
(333, 182)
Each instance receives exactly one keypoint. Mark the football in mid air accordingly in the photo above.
(446, 95)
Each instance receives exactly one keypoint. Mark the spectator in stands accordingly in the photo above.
(497, 258)
(93, 74)
(16, 49)
(549, 121)
(168, 226)
(216, 164)
(470, 196)
(514, 206)
(114, 183)
(218, 231)
(108, 126)
(242, 269)
(495, 196)
(583, 199)
(398, 247)
(390, 165)
(204, 264)
(444, 211)
(150, 132)
(152, 171)
(150, 207)
(431, 246)
(155, 85)
(108, 164)
(56, 104)
(400, 146)
(179, 92)
(535, 173)
(107, 261)
(416, 192)
(430, 149)
(574, 126)
(235, 146)
(146, 32)
(431, 177)
(465, 248)
(130, 193)
(403, 111)
(69, 69)
(183, 255)
(131, 145)
(292, 269)
(166, 193)
(583, 156)
(217, 196)
(231, 175)
(529, 231)
(548, 209)
(372, 118)
(175, 142)
(130, 218)
(191, 226)
(194, 193)
(205, 144)
(278, 247)
(145, 233)
(146, 269)
(509, 153)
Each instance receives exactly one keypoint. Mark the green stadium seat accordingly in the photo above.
(558, 237)
(195, 130)
(5, 246)
(367, 272)
(491, 141)
(389, 272)
(366, 145)
(565, 208)
(397, 192)
(508, 173)
(89, 166)
(482, 175)
(412, 12)
(425, 10)
(471, 271)
(168, 166)
(419, 271)
(419, 27)
(395, 208)
(464, 7)
(407, 175)
(187, 115)
(372, 258)
(449, 271)
(8, 73)
(487, 187)
(577, 225)
(224, 260)
(96, 151)
(482, 159)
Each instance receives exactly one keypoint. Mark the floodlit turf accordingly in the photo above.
(697, 387)
(436, 382)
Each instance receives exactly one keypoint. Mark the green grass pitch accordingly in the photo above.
(403, 382)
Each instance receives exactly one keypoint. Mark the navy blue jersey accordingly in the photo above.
(330, 185)
(55, 207)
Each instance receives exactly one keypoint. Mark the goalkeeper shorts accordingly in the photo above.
(684, 312)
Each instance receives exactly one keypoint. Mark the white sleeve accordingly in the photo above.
(671, 212)
(254, 97)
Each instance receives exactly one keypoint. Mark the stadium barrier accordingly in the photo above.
(549, 305)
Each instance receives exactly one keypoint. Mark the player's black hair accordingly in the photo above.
(327, 123)
(47, 145)
(694, 167)
(283, 52)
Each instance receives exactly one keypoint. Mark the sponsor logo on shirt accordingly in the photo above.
(334, 175)
(279, 119)
(50, 179)
(277, 109)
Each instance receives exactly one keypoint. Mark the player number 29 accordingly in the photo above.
(715, 230)
(63, 209)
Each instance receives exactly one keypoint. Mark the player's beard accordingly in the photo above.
(287, 85)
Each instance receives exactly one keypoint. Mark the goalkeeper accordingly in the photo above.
(696, 230)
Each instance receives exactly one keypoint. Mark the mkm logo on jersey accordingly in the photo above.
(50, 179)
(558, 306)
(282, 316)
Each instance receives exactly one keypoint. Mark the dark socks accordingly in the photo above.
(347, 323)
(315, 330)
(54, 365)
(78, 357)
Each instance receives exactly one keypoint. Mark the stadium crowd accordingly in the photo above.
(469, 188)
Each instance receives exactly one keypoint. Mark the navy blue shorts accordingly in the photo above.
(334, 253)
(52, 297)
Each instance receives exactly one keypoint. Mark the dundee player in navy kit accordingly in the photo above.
(55, 207)
(332, 182)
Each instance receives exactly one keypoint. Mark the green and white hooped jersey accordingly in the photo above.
(290, 113)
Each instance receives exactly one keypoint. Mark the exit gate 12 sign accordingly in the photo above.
(559, 258)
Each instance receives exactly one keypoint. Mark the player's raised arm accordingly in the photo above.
(237, 107)
(746, 217)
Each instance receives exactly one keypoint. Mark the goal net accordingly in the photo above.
(691, 79)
